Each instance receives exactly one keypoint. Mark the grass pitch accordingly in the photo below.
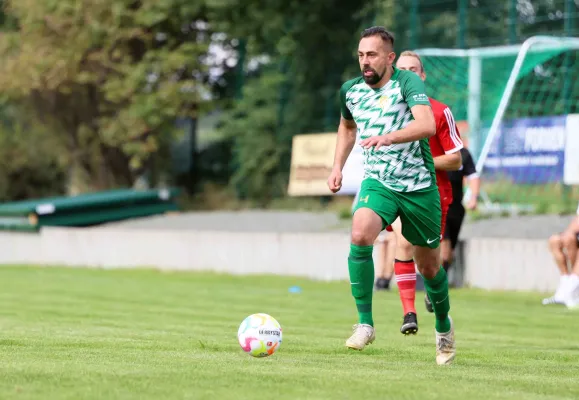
(95, 334)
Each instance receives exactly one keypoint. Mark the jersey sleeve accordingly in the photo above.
(346, 114)
(413, 90)
(468, 167)
(447, 132)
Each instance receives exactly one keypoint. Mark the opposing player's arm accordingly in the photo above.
(449, 137)
(423, 126)
(448, 162)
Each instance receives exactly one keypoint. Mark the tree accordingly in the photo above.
(310, 45)
(108, 79)
(31, 162)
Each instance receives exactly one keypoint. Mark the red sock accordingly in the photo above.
(406, 281)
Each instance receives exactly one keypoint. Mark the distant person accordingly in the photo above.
(386, 249)
(563, 247)
(445, 147)
(456, 211)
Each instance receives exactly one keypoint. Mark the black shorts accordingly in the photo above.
(454, 220)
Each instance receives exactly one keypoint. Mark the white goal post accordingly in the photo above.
(475, 58)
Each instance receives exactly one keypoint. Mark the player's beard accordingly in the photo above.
(372, 79)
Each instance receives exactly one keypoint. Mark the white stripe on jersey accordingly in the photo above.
(452, 128)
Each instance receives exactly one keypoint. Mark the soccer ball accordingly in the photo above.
(259, 335)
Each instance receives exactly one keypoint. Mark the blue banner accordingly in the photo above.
(528, 150)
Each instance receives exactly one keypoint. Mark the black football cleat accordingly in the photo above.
(410, 324)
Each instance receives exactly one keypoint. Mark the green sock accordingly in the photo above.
(437, 290)
(361, 268)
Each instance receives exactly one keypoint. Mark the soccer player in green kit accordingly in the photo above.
(391, 112)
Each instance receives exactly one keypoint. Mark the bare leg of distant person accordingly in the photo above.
(385, 248)
(571, 294)
(564, 248)
(560, 258)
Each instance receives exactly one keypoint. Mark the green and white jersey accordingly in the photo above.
(404, 167)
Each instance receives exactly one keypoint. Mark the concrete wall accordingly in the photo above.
(504, 264)
(510, 264)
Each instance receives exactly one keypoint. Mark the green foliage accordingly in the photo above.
(28, 170)
(486, 22)
(311, 45)
(105, 80)
(108, 78)
(252, 124)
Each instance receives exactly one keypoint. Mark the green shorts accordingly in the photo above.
(419, 211)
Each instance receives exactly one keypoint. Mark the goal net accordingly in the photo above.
(518, 106)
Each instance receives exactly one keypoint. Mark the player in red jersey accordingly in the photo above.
(445, 147)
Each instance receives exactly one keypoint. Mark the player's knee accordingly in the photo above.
(366, 226)
(361, 237)
(555, 241)
(429, 271)
(427, 261)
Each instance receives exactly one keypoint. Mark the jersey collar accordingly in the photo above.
(395, 73)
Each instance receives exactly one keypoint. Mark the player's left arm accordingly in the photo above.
(449, 137)
(423, 126)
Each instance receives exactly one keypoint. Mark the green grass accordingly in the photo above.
(95, 334)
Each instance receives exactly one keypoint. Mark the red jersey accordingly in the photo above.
(446, 141)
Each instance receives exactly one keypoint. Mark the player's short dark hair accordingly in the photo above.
(385, 35)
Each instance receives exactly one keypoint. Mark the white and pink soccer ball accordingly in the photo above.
(259, 335)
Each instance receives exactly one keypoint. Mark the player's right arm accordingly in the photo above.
(345, 141)
(344, 145)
